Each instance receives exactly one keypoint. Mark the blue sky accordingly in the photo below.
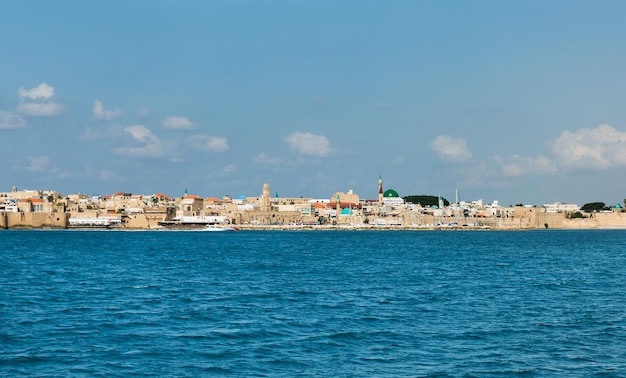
(517, 101)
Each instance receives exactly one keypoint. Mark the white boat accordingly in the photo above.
(89, 222)
(219, 227)
(192, 222)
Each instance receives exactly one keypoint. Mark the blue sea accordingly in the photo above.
(313, 303)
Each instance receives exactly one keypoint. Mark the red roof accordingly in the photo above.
(159, 195)
(344, 205)
(38, 200)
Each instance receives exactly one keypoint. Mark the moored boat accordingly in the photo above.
(219, 227)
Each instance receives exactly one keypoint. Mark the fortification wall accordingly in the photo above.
(608, 220)
(144, 221)
(35, 220)
(522, 219)
(595, 220)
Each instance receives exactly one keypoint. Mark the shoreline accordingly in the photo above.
(320, 228)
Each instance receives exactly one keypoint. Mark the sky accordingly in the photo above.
(523, 102)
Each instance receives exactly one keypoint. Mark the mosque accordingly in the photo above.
(389, 197)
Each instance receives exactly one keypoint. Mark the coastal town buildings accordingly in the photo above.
(36, 208)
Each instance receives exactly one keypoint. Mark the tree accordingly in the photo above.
(593, 206)
(425, 200)
(576, 215)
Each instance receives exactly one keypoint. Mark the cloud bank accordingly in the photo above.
(600, 148)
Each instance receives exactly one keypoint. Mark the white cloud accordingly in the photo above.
(452, 149)
(36, 101)
(264, 159)
(42, 91)
(141, 133)
(151, 144)
(521, 166)
(10, 120)
(308, 144)
(37, 163)
(210, 143)
(178, 123)
(600, 148)
(100, 113)
(40, 109)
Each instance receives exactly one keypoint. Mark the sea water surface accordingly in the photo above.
(313, 303)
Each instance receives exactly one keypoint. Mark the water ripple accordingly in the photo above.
(312, 303)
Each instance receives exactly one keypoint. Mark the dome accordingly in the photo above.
(390, 193)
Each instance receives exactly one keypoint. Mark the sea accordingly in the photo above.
(313, 303)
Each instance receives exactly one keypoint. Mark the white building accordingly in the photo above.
(558, 207)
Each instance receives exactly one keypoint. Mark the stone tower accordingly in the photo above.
(266, 205)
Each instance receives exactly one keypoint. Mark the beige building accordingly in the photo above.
(14, 194)
(558, 207)
(191, 205)
(34, 205)
(346, 199)
(123, 202)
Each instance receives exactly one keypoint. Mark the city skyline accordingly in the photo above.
(517, 102)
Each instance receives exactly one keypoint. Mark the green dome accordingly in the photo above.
(390, 193)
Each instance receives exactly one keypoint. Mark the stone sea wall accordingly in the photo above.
(33, 220)
(527, 219)
(595, 220)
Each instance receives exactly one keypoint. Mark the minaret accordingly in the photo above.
(380, 189)
(265, 198)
